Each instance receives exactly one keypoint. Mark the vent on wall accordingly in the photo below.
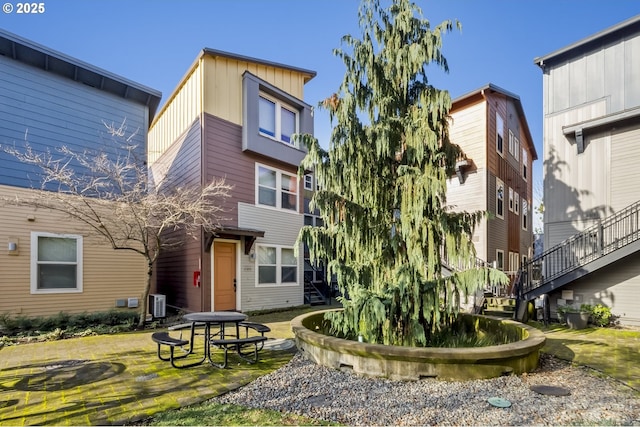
(157, 305)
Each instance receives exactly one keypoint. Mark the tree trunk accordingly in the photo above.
(145, 297)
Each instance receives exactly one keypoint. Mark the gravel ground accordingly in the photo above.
(305, 388)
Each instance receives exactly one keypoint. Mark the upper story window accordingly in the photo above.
(510, 199)
(276, 119)
(499, 198)
(499, 135)
(56, 263)
(525, 214)
(516, 148)
(499, 259)
(276, 188)
(525, 163)
(516, 203)
(308, 182)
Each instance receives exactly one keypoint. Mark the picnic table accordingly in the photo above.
(220, 338)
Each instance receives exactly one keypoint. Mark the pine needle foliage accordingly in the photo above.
(383, 186)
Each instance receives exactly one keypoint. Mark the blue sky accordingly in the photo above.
(154, 42)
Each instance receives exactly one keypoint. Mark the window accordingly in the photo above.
(516, 148)
(499, 198)
(510, 142)
(499, 259)
(514, 261)
(276, 119)
(510, 199)
(499, 134)
(308, 182)
(524, 259)
(525, 161)
(277, 265)
(516, 203)
(525, 214)
(276, 188)
(56, 263)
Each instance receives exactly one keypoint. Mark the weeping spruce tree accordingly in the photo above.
(383, 185)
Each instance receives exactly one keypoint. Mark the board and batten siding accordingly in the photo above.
(625, 160)
(47, 110)
(577, 186)
(107, 274)
(617, 286)
(222, 87)
(610, 71)
(468, 130)
(180, 165)
(281, 228)
(177, 115)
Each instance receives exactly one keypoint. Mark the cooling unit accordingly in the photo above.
(158, 305)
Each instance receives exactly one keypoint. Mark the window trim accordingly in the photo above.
(511, 199)
(499, 183)
(514, 258)
(525, 165)
(499, 134)
(278, 188)
(308, 176)
(278, 265)
(498, 266)
(279, 105)
(525, 214)
(34, 263)
(516, 203)
(511, 144)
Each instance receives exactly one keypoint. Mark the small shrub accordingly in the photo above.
(601, 315)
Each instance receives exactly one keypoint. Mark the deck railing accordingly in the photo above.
(600, 239)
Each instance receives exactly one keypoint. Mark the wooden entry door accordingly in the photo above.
(224, 276)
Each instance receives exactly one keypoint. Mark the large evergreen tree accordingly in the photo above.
(386, 227)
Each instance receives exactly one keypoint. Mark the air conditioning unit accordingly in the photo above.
(158, 305)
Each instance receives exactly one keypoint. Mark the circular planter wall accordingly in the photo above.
(412, 363)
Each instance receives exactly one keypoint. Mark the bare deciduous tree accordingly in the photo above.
(111, 193)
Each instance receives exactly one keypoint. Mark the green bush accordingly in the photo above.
(601, 315)
(64, 324)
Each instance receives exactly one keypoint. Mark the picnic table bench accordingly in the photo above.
(236, 341)
(163, 338)
(237, 344)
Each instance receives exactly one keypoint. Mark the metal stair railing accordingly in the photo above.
(596, 241)
(324, 290)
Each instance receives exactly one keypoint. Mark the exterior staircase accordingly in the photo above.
(602, 244)
(313, 295)
(499, 307)
(316, 292)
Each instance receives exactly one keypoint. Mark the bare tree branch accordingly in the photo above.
(110, 191)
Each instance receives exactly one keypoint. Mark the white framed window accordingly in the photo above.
(277, 265)
(499, 198)
(308, 182)
(276, 188)
(514, 261)
(525, 163)
(56, 263)
(516, 203)
(524, 259)
(500, 259)
(525, 214)
(511, 138)
(510, 199)
(516, 148)
(276, 119)
(499, 135)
